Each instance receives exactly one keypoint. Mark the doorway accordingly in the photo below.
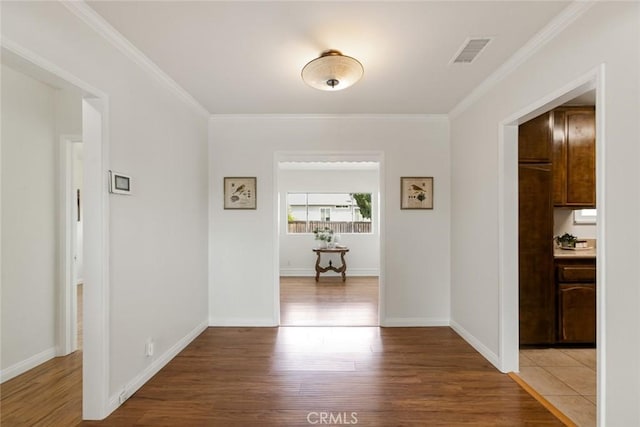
(71, 214)
(94, 211)
(340, 201)
(509, 242)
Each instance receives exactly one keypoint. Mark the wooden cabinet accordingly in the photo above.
(556, 166)
(574, 157)
(535, 140)
(576, 282)
(536, 284)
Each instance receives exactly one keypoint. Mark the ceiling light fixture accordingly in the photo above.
(332, 71)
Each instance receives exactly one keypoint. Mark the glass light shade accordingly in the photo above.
(332, 71)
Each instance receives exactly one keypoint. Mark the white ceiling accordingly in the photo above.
(239, 57)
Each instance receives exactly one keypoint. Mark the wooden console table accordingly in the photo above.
(342, 269)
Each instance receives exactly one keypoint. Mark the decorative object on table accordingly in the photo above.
(416, 192)
(324, 235)
(240, 192)
(566, 240)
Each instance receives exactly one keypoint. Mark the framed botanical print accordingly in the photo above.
(240, 193)
(416, 192)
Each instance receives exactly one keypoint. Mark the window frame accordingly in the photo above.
(354, 208)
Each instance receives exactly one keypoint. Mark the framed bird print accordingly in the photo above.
(416, 192)
(240, 193)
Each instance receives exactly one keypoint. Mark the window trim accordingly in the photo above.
(580, 217)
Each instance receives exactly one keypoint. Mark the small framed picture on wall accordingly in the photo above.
(416, 192)
(240, 193)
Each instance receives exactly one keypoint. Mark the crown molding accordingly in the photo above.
(540, 39)
(332, 116)
(83, 11)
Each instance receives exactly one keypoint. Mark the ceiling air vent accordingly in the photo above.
(470, 50)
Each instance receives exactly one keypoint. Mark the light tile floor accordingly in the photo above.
(566, 378)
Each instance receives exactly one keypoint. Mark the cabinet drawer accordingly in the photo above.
(577, 273)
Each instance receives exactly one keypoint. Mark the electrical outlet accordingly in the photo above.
(148, 348)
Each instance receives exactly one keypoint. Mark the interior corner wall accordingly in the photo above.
(586, 44)
(243, 288)
(29, 227)
(158, 247)
(296, 256)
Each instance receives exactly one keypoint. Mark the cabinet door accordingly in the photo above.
(574, 157)
(559, 159)
(577, 313)
(581, 158)
(534, 140)
(536, 282)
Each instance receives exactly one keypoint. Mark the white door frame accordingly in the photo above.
(67, 341)
(330, 156)
(508, 220)
(95, 356)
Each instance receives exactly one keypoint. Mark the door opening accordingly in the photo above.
(558, 329)
(72, 192)
(328, 238)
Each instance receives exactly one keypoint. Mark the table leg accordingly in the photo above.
(318, 266)
(344, 267)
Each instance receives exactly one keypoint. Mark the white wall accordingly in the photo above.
(296, 256)
(591, 40)
(157, 237)
(29, 240)
(29, 107)
(563, 223)
(244, 268)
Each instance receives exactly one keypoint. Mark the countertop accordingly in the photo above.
(582, 253)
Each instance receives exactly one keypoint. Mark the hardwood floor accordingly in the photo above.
(329, 302)
(289, 376)
(48, 395)
(295, 376)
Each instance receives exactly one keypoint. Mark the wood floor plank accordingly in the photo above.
(249, 383)
(282, 376)
(329, 302)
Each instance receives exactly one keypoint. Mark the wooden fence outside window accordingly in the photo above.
(338, 227)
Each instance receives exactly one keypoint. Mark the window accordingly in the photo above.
(325, 214)
(585, 216)
(342, 212)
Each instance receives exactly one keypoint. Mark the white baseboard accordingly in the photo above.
(310, 272)
(242, 322)
(493, 358)
(27, 364)
(397, 322)
(155, 366)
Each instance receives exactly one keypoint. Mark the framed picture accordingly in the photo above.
(240, 193)
(416, 192)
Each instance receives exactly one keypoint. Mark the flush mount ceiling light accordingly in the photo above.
(332, 71)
